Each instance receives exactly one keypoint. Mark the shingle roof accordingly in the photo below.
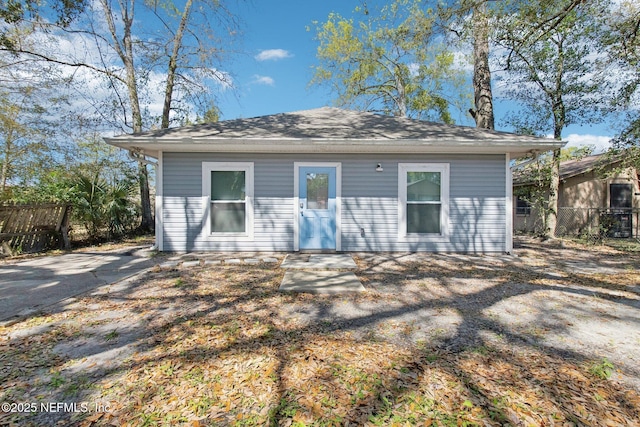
(330, 128)
(570, 168)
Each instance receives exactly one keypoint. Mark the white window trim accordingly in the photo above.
(508, 244)
(207, 168)
(403, 168)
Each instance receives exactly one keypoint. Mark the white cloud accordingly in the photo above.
(414, 69)
(601, 143)
(92, 90)
(263, 80)
(273, 55)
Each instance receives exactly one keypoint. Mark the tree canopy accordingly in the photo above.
(119, 56)
(551, 72)
(389, 60)
(622, 43)
(17, 11)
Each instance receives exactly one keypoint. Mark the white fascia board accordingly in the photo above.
(514, 147)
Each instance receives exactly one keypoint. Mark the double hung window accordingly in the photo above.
(523, 206)
(423, 190)
(228, 199)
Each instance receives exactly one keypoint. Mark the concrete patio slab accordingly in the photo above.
(319, 262)
(321, 282)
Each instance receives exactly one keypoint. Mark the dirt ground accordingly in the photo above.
(566, 298)
(547, 336)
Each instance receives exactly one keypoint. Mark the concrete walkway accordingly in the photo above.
(319, 262)
(320, 274)
(28, 286)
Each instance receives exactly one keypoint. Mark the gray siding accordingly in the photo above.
(476, 206)
(182, 201)
(369, 201)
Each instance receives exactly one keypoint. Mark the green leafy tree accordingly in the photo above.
(33, 120)
(98, 180)
(15, 12)
(212, 115)
(548, 69)
(126, 58)
(17, 139)
(538, 174)
(389, 61)
(27, 141)
(621, 41)
(576, 153)
(103, 186)
(88, 202)
(119, 209)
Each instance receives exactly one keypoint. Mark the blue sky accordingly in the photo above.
(277, 81)
(273, 75)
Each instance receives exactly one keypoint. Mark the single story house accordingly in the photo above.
(593, 191)
(332, 180)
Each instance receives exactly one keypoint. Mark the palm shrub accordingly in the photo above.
(101, 206)
(88, 201)
(120, 211)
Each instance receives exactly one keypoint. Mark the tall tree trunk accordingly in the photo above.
(551, 220)
(124, 48)
(166, 108)
(559, 119)
(401, 100)
(483, 113)
(7, 160)
(146, 224)
(3, 179)
(173, 65)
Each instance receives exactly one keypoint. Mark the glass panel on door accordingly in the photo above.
(317, 190)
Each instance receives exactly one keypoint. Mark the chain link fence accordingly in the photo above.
(588, 222)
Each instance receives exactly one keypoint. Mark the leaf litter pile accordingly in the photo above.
(436, 340)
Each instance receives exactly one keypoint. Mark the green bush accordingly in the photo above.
(101, 206)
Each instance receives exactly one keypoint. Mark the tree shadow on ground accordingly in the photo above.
(222, 346)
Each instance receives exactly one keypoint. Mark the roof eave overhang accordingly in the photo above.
(152, 147)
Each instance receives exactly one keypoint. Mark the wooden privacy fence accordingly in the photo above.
(33, 228)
